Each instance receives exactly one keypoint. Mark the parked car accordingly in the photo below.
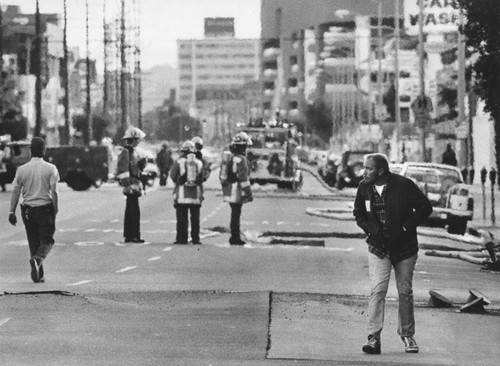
(350, 170)
(451, 199)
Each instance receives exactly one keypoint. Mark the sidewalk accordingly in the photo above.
(231, 328)
(485, 222)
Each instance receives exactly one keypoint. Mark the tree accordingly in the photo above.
(482, 30)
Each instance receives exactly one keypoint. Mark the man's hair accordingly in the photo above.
(37, 147)
(380, 160)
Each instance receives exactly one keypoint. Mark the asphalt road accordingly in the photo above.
(106, 302)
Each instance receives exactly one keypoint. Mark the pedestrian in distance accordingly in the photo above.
(128, 171)
(449, 157)
(37, 182)
(187, 174)
(164, 162)
(235, 180)
(389, 207)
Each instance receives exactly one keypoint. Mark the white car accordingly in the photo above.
(444, 186)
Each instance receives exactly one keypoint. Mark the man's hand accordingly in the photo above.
(12, 219)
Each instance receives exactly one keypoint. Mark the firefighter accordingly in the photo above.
(187, 174)
(235, 180)
(129, 175)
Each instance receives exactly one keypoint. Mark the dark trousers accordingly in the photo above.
(131, 223)
(235, 220)
(40, 225)
(183, 223)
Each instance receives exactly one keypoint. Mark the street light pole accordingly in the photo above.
(396, 79)
(421, 71)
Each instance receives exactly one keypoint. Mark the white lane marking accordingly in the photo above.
(69, 230)
(334, 249)
(80, 283)
(89, 243)
(126, 269)
(143, 244)
(168, 221)
(280, 223)
(157, 231)
(153, 259)
(115, 220)
(265, 222)
(118, 244)
(90, 230)
(144, 221)
(107, 230)
(3, 321)
(167, 249)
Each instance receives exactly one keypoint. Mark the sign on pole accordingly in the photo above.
(422, 108)
(440, 16)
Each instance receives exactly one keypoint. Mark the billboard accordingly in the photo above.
(206, 93)
(219, 27)
(440, 16)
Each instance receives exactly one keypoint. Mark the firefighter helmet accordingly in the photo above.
(188, 146)
(198, 142)
(241, 138)
(134, 133)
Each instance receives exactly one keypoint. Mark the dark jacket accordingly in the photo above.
(405, 205)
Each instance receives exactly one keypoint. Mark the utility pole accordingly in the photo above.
(64, 139)
(379, 57)
(88, 133)
(461, 90)
(396, 79)
(123, 75)
(38, 72)
(137, 57)
(105, 97)
(421, 69)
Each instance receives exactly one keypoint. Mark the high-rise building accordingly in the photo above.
(216, 74)
(319, 50)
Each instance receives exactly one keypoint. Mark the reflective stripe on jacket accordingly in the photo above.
(184, 194)
(239, 191)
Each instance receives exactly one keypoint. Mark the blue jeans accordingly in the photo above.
(380, 273)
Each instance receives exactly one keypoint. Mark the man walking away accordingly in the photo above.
(37, 182)
(389, 207)
(449, 157)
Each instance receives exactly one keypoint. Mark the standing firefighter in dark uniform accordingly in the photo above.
(37, 181)
(187, 174)
(235, 180)
(128, 174)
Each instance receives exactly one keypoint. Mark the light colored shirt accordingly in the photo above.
(36, 179)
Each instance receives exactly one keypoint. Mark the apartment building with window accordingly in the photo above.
(216, 76)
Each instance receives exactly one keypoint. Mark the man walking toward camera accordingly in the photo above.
(389, 207)
(37, 181)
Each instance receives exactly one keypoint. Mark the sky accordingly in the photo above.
(162, 22)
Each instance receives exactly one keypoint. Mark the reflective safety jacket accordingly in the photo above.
(187, 193)
(237, 189)
(128, 171)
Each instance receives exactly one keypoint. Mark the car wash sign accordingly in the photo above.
(440, 16)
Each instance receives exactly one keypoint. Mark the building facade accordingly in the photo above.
(216, 77)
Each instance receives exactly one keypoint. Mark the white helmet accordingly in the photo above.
(188, 146)
(198, 142)
(241, 138)
(134, 133)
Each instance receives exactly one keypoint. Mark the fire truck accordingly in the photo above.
(273, 158)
